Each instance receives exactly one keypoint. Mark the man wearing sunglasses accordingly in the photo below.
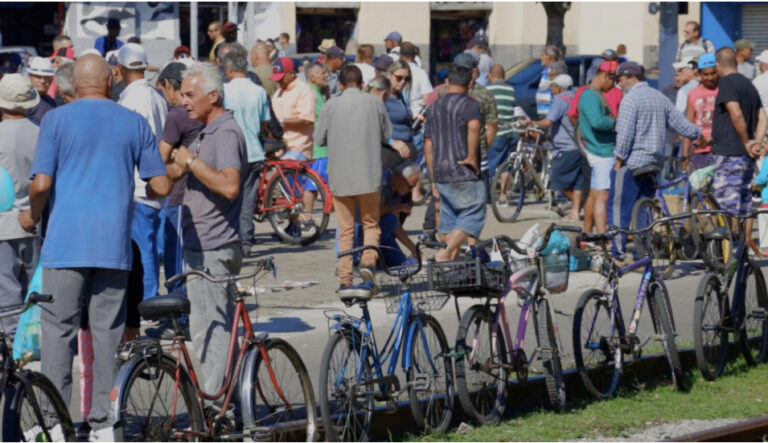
(693, 45)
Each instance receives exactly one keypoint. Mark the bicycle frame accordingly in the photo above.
(686, 197)
(286, 171)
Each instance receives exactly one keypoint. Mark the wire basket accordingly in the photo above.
(469, 278)
(555, 269)
(421, 294)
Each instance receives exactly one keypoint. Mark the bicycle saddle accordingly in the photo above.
(650, 169)
(163, 306)
(355, 295)
(719, 233)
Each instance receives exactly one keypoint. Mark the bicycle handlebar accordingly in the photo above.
(264, 264)
(744, 216)
(33, 299)
(613, 231)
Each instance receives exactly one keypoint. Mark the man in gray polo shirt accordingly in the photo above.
(211, 214)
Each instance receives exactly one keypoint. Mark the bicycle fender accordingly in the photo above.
(406, 357)
(328, 204)
(247, 391)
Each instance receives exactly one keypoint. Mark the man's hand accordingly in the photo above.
(27, 223)
(617, 164)
(684, 161)
(472, 163)
(754, 148)
(704, 141)
(175, 171)
(401, 148)
(181, 156)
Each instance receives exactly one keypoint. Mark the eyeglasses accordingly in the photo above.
(401, 78)
(613, 77)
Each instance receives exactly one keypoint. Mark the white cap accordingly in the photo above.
(684, 63)
(132, 56)
(763, 57)
(563, 80)
(40, 66)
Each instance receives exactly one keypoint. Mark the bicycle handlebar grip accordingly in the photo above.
(35, 298)
(171, 281)
(567, 228)
(356, 250)
(433, 244)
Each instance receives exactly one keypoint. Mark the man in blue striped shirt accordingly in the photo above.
(644, 115)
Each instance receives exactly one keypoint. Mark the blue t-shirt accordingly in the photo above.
(90, 147)
(400, 115)
(250, 104)
(562, 129)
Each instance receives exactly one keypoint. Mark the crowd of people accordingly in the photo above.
(114, 174)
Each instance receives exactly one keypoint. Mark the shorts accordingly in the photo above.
(567, 171)
(320, 166)
(293, 155)
(462, 207)
(601, 172)
(732, 182)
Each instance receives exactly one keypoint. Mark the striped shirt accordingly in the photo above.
(504, 94)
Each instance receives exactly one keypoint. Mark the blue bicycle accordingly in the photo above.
(353, 378)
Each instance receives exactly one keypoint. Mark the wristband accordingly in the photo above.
(389, 142)
(190, 160)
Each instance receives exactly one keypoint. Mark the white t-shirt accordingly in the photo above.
(420, 86)
(761, 84)
(369, 72)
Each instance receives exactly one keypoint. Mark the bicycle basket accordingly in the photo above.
(555, 269)
(470, 278)
(422, 296)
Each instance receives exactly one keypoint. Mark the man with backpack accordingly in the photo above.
(693, 45)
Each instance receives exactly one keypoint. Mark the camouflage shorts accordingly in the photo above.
(732, 182)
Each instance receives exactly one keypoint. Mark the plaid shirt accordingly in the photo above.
(644, 115)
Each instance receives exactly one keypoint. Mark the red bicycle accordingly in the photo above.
(295, 198)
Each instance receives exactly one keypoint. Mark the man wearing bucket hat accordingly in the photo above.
(40, 74)
(19, 250)
(744, 48)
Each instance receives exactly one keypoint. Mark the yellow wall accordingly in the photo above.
(288, 19)
(377, 19)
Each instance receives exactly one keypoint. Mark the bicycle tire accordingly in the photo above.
(550, 356)
(147, 374)
(661, 239)
(433, 411)
(425, 186)
(278, 190)
(540, 169)
(753, 330)
(272, 413)
(345, 411)
(20, 422)
(481, 378)
(599, 359)
(713, 253)
(664, 326)
(710, 339)
(508, 210)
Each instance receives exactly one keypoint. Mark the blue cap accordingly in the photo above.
(394, 36)
(334, 51)
(706, 61)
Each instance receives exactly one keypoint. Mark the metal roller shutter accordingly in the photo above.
(754, 25)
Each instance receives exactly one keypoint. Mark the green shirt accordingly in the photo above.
(318, 151)
(597, 127)
(504, 94)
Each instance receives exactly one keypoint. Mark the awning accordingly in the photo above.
(461, 6)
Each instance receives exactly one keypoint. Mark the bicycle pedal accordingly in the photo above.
(421, 382)
(261, 433)
(391, 406)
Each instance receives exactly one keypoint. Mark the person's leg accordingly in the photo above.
(19, 259)
(250, 195)
(345, 216)
(134, 293)
(212, 310)
(146, 221)
(453, 242)
(599, 212)
(497, 153)
(623, 194)
(369, 216)
(320, 166)
(393, 256)
(106, 317)
(589, 211)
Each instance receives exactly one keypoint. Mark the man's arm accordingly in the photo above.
(543, 123)
(174, 171)
(690, 115)
(401, 235)
(39, 192)
(320, 135)
(625, 132)
(225, 183)
(159, 187)
(590, 109)
(473, 145)
(737, 120)
(762, 125)
(491, 129)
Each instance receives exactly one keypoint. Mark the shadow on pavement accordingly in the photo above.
(282, 324)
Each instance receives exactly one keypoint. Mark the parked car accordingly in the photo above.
(14, 58)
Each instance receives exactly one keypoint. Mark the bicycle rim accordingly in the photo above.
(20, 421)
(346, 403)
(148, 400)
(430, 377)
(507, 192)
(660, 242)
(598, 357)
(283, 395)
(710, 339)
(753, 333)
(550, 356)
(284, 202)
(481, 378)
(664, 326)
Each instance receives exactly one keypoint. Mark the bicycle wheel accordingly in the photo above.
(285, 207)
(663, 324)
(20, 421)
(507, 191)
(279, 394)
(425, 186)
(710, 339)
(753, 333)
(430, 376)
(540, 168)
(152, 406)
(596, 340)
(346, 403)
(481, 378)
(714, 253)
(550, 356)
(660, 242)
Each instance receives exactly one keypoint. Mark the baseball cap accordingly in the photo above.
(609, 66)
(466, 59)
(684, 63)
(132, 56)
(228, 27)
(610, 54)
(394, 36)
(630, 68)
(708, 61)
(17, 93)
(280, 68)
(476, 41)
(763, 57)
(563, 80)
(334, 51)
(172, 71)
(382, 62)
(40, 66)
(181, 50)
(743, 43)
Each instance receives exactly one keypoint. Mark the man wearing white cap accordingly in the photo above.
(761, 81)
(139, 96)
(689, 78)
(19, 250)
(40, 74)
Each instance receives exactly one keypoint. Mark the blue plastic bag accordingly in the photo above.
(558, 243)
(28, 330)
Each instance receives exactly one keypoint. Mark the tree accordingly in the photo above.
(556, 22)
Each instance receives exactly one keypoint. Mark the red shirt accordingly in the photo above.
(613, 97)
(702, 100)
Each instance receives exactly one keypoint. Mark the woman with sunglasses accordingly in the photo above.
(399, 111)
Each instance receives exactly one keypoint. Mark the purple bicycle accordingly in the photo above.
(486, 353)
(600, 338)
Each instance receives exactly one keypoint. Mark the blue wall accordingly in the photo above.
(721, 22)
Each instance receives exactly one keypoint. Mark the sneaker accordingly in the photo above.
(368, 274)
(308, 228)
(166, 332)
(103, 434)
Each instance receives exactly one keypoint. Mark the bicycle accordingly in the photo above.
(353, 377)
(157, 395)
(486, 353)
(33, 407)
(744, 317)
(526, 168)
(600, 338)
(686, 238)
(282, 184)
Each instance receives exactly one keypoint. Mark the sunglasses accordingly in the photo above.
(402, 78)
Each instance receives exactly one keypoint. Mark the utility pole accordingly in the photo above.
(667, 42)
(193, 29)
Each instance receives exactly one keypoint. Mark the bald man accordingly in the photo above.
(262, 66)
(90, 149)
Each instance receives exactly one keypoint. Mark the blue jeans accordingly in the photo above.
(144, 229)
(498, 152)
(625, 191)
(393, 256)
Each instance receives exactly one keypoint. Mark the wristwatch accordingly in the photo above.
(190, 160)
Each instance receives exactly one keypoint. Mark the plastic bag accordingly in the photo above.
(701, 178)
(558, 243)
(27, 336)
